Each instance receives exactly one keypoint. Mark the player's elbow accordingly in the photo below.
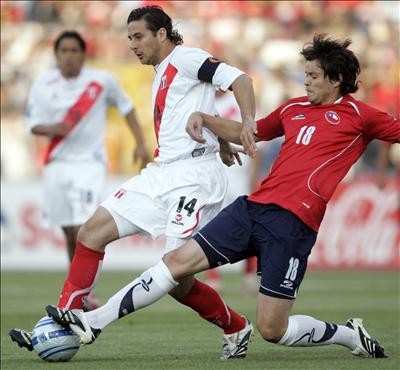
(243, 80)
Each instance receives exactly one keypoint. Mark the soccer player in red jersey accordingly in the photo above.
(325, 133)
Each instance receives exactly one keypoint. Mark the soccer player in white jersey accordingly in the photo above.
(183, 188)
(68, 104)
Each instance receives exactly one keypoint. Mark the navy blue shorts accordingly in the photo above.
(280, 240)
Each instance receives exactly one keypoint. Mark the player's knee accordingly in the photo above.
(177, 264)
(84, 232)
(172, 259)
(98, 231)
(271, 332)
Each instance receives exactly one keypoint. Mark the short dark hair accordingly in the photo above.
(156, 18)
(70, 35)
(336, 61)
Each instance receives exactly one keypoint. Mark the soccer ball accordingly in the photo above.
(52, 342)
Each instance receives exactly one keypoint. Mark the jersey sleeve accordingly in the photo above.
(225, 75)
(200, 65)
(117, 96)
(36, 110)
(380, 125)
(270, 127)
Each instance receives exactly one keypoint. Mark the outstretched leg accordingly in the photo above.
(149, 287)
(276, 326)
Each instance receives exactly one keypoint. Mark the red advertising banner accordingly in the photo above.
(361, 228)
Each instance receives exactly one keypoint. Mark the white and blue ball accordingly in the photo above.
(52, 342)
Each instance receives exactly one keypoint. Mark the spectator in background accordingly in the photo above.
(68, 105)
(256, 34)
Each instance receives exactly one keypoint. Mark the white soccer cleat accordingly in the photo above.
(365, 345)
(235, 345)
(74, 320)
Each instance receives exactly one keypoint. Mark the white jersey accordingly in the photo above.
(185, 82)
(81, 101)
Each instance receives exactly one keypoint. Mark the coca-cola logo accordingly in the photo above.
(360, 228)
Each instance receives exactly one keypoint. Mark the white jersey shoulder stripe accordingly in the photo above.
(297, 103)
(355, 107)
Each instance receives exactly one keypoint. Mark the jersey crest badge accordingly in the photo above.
(332, 117)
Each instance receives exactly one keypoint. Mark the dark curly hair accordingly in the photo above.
(70, 35)
(336, 61)
(156, 18)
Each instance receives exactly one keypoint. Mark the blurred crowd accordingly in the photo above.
(261, 37)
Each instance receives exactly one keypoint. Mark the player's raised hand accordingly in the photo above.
(249, 129)
(194, 127)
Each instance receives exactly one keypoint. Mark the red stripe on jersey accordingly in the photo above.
(197, 220)
(75, 114)
(161, 97)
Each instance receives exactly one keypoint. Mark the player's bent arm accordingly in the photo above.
(140, 150)
(243, 90)
(58, 129)
(244, 93)
(226, 129)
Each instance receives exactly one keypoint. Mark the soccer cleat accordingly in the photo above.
(22, 337)
(74, 320)
(235, 345)
(365, 345)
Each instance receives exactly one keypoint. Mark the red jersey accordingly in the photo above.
(321, 143)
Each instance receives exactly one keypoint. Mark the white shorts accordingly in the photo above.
(72, 191)
(174, 199)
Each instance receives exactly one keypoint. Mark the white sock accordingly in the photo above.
(148, 288)
(305, 331)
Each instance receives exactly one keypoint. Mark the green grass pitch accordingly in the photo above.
(170, 336)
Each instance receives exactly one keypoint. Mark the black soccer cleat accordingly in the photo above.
(22, 337)
(74, 320)
(365, 345)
